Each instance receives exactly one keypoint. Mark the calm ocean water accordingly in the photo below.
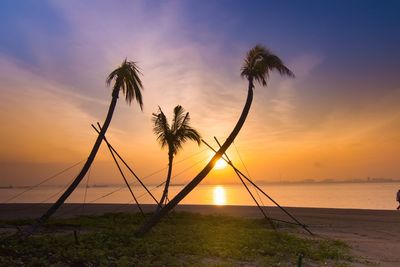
(334, 195)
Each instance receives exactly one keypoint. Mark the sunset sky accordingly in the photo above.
(338, 119)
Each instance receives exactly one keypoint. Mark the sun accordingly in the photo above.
(220, 164)
(219, 197)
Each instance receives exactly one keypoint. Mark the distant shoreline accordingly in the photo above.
(302, 182)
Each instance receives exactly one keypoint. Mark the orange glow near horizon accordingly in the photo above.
(219, 196)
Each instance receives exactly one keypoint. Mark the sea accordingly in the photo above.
(376, 195)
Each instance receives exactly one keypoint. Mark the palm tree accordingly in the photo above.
(126, 78)
(257, 65)
(173, 136)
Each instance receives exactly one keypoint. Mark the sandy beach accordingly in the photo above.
(373, 234)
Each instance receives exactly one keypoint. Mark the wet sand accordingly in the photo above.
(374, 235)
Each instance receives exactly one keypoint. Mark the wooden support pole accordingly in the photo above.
(126, 164)
(247, 188)
(76, 237)
(126, 182)
(122, 174)
(265, 194)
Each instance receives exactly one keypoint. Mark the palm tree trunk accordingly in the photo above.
(84, 170)
(189, 187)
(166, 187)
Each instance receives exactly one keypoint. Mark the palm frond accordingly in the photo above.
(188, 133)
(259, 62)
(161, 128)
(128, 81)
(179, 117)
(178, 133)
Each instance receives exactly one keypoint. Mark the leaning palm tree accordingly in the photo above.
(126, 78)
(173, 136)
(257, 65)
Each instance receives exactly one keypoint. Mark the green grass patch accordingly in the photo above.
(182, 239)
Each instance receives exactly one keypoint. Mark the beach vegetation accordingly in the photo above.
(182, 239)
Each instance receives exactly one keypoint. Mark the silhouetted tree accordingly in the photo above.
(173, 136)
(125, 78)
(257, 65)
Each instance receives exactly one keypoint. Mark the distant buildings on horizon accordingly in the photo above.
(329, 181)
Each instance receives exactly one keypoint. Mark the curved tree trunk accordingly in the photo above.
(165, 193)
(84, 170)
(189, 187)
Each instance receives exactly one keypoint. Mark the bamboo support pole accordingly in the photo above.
(265, 194)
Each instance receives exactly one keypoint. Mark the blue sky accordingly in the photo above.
(55, 55)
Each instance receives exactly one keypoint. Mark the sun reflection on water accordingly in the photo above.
(219, 196)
